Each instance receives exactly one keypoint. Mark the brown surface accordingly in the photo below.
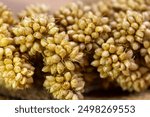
(32, 93)
(39, 93)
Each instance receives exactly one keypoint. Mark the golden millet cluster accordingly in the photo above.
(82, 47)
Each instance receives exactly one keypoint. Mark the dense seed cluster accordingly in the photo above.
(69, 14)
(15, 71)
(62, 56)
(29, 32)
(82, 47)
(67, 86)
(129, 28)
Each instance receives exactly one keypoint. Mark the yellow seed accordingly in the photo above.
(24, 71)
(43, 21)
(74, 83)
(102, 61)
(133, 76)
(51, 47)
(131, 30)
(36, 47)
(29, 38)
(105, 46)
(95, 35)
(135, 25)
(95, 63)
(28, 44)
(100, 41)
(60, 68)
(131, 19)
(133, 66)
(16, 59)
(122, 67)
(139, 33)
(53, 31)
(67, 76)
(138, 19)
(105, 54)
(106, 28)
(114, 58)
(5, 41)
(117, 35)
(87, 39)
(60, 51)
(43, 29)
(88, 31)
(116, 65)
(66, 85)
(37, 35)
(135, 46)
(120, 50)
(20, 40)
(110, 41)
(74, 52)
(146, 44)
(69, 65)
(17, 69)
(126, 73)
(99, 29)
(36, 27)
(130, 38)
(30, 73)
(122, 39)
(82, 24)
(103, 75)
(53, 69)
(55, 87)
(123, 56)
(55, 59)
(107, 68)
(28, 30)
(112, 49)
(46, 68)
(23, 48)
(9, 66)
(50, 78)
(18, 64)
(109, 61)
(43, 42)
(11, 74)
(18, 77)
(125, 24)
(69, 95)
(8, 52)
(138, 73)
(70, 19)
(59, 79)
(7, 61)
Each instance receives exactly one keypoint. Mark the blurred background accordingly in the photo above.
(18, 5)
